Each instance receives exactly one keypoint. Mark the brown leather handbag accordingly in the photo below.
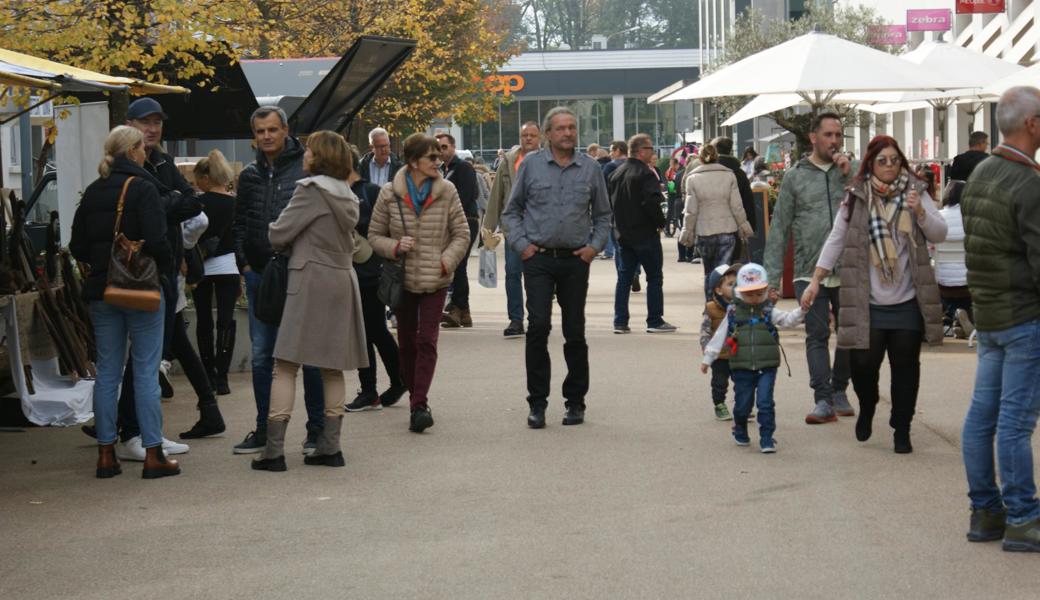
(133, 277)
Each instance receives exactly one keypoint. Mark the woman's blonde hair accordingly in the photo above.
(216, 168)
(708, 154)
(119, 142)
(330, 155)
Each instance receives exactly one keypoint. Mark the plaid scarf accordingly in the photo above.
(888, 217)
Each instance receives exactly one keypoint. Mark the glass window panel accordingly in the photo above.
(588, 122)
(510, 125)
(529, 111)
(631, 117)
(490, 138)
(606, 121)
(647, 116)
(470, 136)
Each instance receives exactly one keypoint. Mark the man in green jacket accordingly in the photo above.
(1001, 208)
(809, 198)
(505, 175)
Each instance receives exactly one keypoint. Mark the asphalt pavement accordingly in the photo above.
(649, 498)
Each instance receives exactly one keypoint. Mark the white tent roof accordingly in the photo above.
(1027, 76)
(817, 62)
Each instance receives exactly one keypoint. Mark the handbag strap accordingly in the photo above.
(404, 227)
(119, 207)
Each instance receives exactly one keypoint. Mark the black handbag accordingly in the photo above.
(274, 286)
(391, 280)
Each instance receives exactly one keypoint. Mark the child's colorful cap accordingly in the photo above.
(751, 278)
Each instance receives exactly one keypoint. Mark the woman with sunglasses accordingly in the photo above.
(889, 296)
(418, 218)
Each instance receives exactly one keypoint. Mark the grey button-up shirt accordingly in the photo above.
(558, 207)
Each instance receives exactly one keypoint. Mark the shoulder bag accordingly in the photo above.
(133, 277)
(391, 280)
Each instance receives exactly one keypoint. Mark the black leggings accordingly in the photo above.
(190, 363)
(904, 353)
(377, 336)
(227, 289)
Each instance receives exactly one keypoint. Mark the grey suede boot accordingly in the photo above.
(273, 456)
(328, 452)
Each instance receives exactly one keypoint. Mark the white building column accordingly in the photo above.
(618, 117)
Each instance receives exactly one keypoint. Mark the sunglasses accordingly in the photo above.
(433, 157)
(885, 162)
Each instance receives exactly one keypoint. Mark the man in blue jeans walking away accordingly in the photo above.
(635, 193)
(505, 175)
(264, 189)
(1001, 208)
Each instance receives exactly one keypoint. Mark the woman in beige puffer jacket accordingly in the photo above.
(432, 240)
(714, 214)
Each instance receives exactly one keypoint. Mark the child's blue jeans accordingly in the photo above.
(750, 387)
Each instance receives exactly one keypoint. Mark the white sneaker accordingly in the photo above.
(130, 450)
(172, 447)
(133, 450)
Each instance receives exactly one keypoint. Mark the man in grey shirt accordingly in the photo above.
(558, 217)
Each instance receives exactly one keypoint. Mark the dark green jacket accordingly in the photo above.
(808, 201)
(757, 349)
(1001, 209)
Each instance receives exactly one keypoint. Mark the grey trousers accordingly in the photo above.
(824, 380)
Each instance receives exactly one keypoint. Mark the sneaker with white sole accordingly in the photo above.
(364, 401)
(664, 327)
(722, 413)
(133, 449)
(622, 329)
(740, 436)
(768, 446)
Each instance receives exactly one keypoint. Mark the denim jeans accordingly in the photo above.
(751, 388)
(720, 373)
(649, 254)
(263, 336)
(567, 279)
(514, 284)
(1005, 405)
(824, 380)
(611, 248)
(715, 250)
(112, 326)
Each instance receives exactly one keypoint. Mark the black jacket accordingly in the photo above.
(177, 198)
(263, 192)
(94, 223)
(464, 177)
(964, 164)
(366, 161)
(743, 186)
(635, 193)
(368, 272)
(220, 210)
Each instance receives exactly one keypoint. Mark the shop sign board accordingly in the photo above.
(970, 7)
(888, 35)
(928, 20)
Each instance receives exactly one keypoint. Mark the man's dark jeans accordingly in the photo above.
(647, 253)
(825, 382)
(566, 276)
(460, 284)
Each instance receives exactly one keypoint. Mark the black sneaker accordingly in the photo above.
(422, 420)
(253, 443)
(515, 330)
(364, 401)
(392, 394)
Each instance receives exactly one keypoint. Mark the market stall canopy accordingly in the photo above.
(350, 84)
(816, 62)
(1027, 76)
(72, 79)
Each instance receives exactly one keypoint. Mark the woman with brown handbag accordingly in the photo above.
(124, 205)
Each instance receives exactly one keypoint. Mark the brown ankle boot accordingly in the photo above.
(156, 464)
(466, 319)
(107, 464)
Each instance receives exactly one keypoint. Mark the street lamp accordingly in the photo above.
(606, 42)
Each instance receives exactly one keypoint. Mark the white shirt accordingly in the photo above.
(379, 175)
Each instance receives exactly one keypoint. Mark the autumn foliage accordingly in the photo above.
(459, 43)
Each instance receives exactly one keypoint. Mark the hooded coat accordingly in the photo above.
(322, 324)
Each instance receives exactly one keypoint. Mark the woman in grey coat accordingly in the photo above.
(322, 324)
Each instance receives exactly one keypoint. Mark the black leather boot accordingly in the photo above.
(210, 422)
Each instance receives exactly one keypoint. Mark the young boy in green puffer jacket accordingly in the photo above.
(751, 338)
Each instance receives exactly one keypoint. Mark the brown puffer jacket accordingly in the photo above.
(440, 231)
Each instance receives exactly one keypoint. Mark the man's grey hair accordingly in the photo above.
(1016, 106)
(264, 111)
(559, 110)
(377, 132)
